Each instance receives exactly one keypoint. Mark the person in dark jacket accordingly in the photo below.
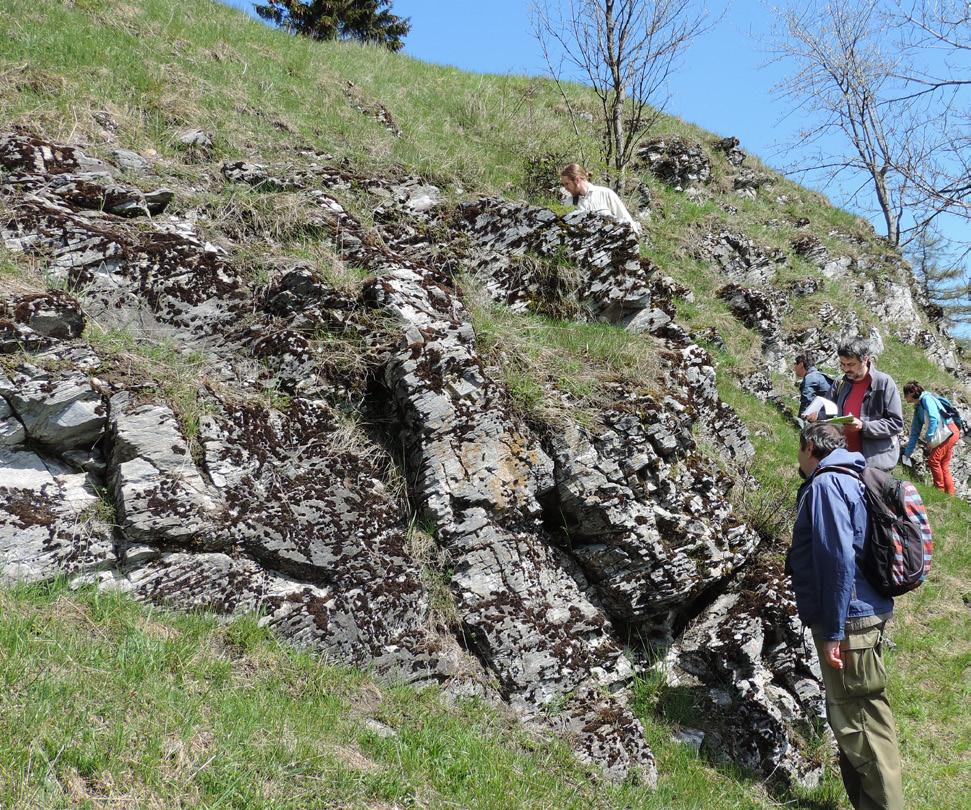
(872, 399)
(812, 382)
(940, 446)
(846, 615)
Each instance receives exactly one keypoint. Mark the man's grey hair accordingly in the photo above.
(824, 439)
(857, 347)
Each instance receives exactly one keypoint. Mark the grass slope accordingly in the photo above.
(106, 703)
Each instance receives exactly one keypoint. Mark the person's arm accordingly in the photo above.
(833, 556)
(805, 396)
(914, 430)
(892, 421)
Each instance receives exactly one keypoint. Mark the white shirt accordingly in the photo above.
(604, 201)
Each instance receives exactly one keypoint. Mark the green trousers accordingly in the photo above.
(859, 714)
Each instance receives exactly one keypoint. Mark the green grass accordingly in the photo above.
(540, 359)
(138, 707)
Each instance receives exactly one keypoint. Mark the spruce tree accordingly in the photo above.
(946, 283)
(363, 20)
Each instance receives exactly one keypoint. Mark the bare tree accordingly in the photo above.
(845, 81)
(938, 36)
(625, 50)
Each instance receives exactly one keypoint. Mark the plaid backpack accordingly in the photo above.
(899, 546)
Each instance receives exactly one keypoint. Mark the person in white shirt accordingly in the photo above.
(599, 199)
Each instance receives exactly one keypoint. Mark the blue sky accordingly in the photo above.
(724, 84)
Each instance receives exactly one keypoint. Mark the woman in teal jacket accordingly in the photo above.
(939, 453)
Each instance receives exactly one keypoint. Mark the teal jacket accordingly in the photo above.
(928, 410)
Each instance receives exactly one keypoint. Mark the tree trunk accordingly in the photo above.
(617, 124)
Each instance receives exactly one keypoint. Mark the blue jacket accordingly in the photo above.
(814, 384)
(831, 525)
(929, 410)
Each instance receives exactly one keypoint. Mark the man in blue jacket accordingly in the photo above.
(846, 615)
(812, 382)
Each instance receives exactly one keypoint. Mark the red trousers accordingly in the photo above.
(939, 460)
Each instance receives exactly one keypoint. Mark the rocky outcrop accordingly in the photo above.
(563, 546)
(644, 516)
(730, 147)
(59, 409)
(53, 314)
(676, 162)
(51, 520)
(738, 258)
(751, 666)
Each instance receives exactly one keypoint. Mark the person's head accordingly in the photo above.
(912, 391)
(817, 441)
(854, 357)
(575, 179)
(803, 364)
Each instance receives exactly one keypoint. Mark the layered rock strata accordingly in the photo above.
(568, 551)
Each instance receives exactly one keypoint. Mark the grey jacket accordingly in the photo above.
(882, 416)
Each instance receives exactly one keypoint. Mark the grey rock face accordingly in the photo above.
(239, 171)
(130, 161)
(49, 520)
(730, 147)
(53, 314)
(748, 182)
(739, 258)
(649, 526)
(754, 668)
(293, 512)
(676, 162)
(196, 140)
(479, 474)
(160, 495)
(612, 281)
(757, 310)
(11, 430)
(16, 337)
(27, 155)
(56, 408)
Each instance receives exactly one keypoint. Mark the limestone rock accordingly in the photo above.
(49, 520)
(196, 140)
(16, 337)
(160, 495)
(730, 147)
(55, 314)
(649, 527)
(11, 430)
(748, 182)
(59, 409)
(753, 667)
(739, 258)
(676, 162)
(130, 161)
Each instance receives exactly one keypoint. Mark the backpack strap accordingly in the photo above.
(838, 468)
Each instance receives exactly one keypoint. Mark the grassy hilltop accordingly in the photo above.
(105, 703)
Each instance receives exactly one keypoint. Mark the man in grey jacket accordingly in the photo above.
(872, 399)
